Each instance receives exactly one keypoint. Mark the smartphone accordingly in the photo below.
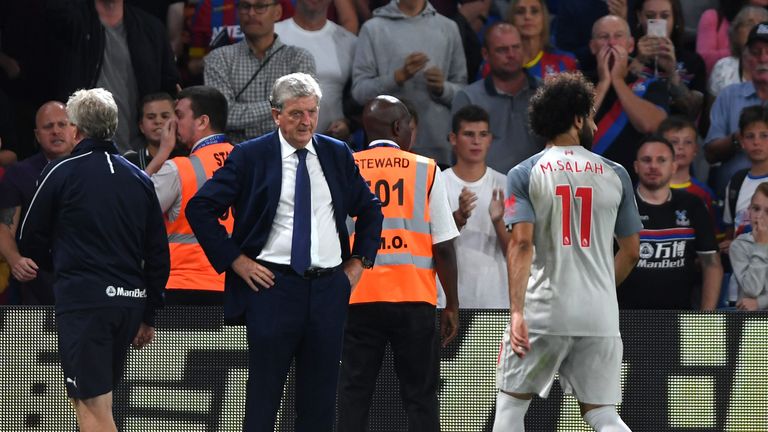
(657, 28)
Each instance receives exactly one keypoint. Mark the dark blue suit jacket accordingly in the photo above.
(250, 182)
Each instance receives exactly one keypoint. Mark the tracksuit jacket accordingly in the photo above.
(96, 221)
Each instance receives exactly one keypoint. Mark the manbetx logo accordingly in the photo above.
(122, 292)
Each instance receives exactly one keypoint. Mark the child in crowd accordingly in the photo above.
(156, 110)
(749, 255)
(753, 136)
(476, 194)
(681, 132)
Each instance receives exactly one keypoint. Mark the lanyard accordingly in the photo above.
(213, 139)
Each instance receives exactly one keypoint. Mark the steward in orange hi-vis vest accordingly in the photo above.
(404, 269)
(190, 269)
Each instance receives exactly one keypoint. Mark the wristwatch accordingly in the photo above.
(735, 144)
(367, 263)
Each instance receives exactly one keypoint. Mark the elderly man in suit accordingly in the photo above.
(289, 265)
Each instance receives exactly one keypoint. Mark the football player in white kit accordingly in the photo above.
(564, 208)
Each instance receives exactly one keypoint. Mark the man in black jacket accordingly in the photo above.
(109, 252)
(116, 46)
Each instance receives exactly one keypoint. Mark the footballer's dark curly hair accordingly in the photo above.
(563, 97)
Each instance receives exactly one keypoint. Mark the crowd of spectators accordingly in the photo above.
(692, 72)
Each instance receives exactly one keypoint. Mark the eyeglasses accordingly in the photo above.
(259, 8)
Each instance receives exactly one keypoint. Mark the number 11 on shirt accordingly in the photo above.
(585, 218)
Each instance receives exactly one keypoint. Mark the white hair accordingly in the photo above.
(93, 112)
(293, 86)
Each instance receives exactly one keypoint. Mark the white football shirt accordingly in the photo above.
(577, 201)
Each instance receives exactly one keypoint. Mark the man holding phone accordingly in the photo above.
(627, 106)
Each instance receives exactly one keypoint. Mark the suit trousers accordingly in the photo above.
(301, 318)
(410, 329)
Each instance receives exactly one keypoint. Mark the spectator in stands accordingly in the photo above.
(342, 12)
(627, 106)
(116, 46)
(692, 11)
(576, 18)
(722, 141)
(366, 8)
(201, 118)
(7, 157)
(410, 51)
(540, 58)
(681, 133)
(730, 70)
(676, 231)
(9, 145)
(244, 72)
(749, 255)
(712, 40)
(753, 136)
(504, 94)
(333, 49)
(476, 196)
(95, 221)
(471, 18)
(156, 110)
(667, 58)
(213, 24)
(56, 137)
(171, 14)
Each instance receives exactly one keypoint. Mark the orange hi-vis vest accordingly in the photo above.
(404, 269)
(190, 269)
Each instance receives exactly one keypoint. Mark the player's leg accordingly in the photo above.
(95, 414)
(510, 411)
(592, 372)
(518, 379)
(603, 418)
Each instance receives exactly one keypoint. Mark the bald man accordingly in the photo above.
(56, 136)
(627, 106)
(395, 301)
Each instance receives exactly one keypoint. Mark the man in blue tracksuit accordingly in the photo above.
(96, 221)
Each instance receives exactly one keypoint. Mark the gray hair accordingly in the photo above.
(739, 20)
(291, 86)
(94, 112)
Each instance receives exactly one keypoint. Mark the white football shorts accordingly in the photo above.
(589, 367)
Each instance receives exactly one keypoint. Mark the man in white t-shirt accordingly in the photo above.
(567, 203)
(333, 48)
(476, 195)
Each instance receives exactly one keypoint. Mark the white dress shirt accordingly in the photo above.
(325, 249)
